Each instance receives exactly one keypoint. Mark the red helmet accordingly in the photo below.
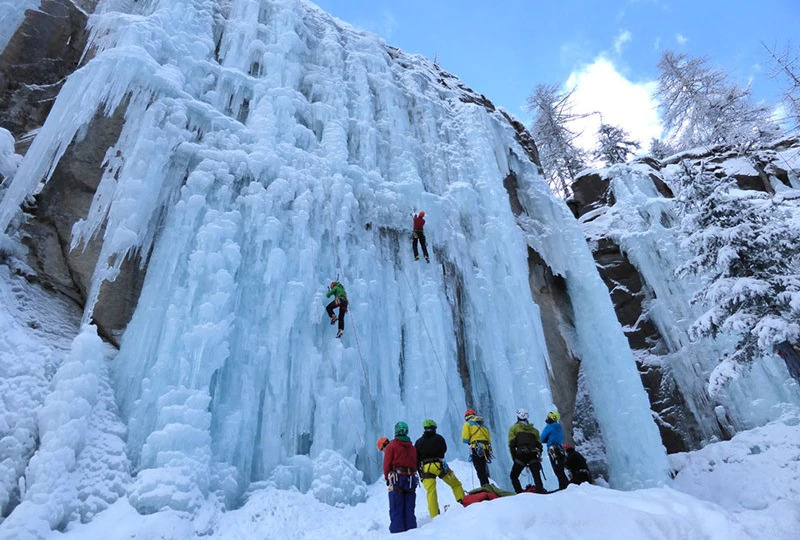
(469, 412)
(422, 213)
(382, 442)
(567, 446)
(333, 284)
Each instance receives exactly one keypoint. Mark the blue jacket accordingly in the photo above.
(552, 434)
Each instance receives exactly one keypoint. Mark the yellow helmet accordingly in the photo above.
(553, 416)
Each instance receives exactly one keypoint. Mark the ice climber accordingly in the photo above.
(477, 436)
(431, 448)
(418, 236)
(400, 472)
(526, 451)
(553, 437)
(336, 290)
(576, 465)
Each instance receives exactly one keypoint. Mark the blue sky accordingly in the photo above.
(503, 49)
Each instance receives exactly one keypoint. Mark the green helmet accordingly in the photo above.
(429, 424)
(401, 428)
(553, 416)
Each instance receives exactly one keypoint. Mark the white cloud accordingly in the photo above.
(624, 37)
(681, 39)
(599, 87)
(384, 25)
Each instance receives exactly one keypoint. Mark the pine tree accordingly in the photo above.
(702, 108)
(561, 158)
(746, 246)
(614, 145)
(659, 149)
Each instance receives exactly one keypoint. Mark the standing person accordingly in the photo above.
(477, 436)
(553, 437)
(419, 236)
(526, 451)
(576, 465)
(431, 448)
(400, 472)
(336, 290)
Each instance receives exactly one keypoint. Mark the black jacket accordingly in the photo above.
(430, 446)
(575, 461)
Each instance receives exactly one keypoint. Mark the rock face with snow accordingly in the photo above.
(253, 157)
(628, 214)
(44, 50)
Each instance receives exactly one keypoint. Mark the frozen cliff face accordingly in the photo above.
(629, 215)
(266, 149)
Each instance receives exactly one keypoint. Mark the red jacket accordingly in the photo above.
(399, 454)
(419, 223)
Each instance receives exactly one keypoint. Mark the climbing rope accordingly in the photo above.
(366, 376)
(433, 346)
(354, 424)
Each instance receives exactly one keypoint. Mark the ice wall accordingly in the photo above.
(268, 149)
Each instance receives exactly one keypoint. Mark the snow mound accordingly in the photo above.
(753, 471)
(330, 478)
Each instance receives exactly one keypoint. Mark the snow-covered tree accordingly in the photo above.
(701, 107)
(787, 67)
(552, 114)
(614, 145)
(746, 247)
(659, 149)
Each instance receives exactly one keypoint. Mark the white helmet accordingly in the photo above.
(522, 414)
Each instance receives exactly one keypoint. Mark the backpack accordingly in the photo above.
(528, 444)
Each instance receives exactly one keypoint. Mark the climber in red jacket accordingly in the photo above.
(418, 236)
(400, 472)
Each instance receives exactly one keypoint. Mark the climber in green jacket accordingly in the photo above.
(336, 290)
(526, 451)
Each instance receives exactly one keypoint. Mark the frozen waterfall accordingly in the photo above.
(267, 149)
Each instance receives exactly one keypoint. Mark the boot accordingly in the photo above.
(334, 318)
(339, 334)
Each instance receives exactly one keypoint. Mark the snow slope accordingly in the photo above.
(728, 490)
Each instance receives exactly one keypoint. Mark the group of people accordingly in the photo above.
(404, 463)
(336, 289)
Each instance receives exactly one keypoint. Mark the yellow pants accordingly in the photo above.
(430, 486)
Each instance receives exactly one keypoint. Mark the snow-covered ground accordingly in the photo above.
(748, 487)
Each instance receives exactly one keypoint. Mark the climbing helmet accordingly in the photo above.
(522, 414)
(429, 424)
(553, 416)
(382, 442)
(469, 412)
(401, 429)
